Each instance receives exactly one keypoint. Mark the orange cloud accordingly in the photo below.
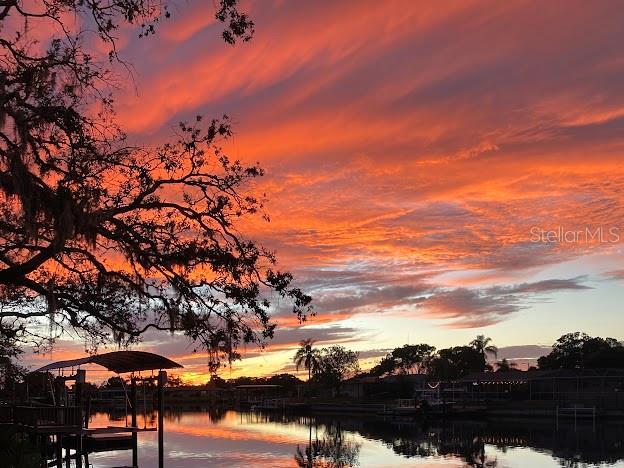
(410, 150)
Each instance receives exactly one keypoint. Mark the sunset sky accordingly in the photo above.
(415, 152)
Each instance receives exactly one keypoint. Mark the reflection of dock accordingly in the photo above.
(92, 443)
(63, 426)
(105, 439)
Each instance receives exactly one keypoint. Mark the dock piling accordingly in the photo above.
(133, 402)
(162, 380)
(59, 451)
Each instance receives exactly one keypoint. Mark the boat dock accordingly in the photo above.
(62, 429)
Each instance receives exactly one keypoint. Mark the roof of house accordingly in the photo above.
(371, 379)
(412, 378)
(257, 386)
(519, 376)
(118, 361)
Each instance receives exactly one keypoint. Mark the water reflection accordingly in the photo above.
(228, 439)
(477, 444)
(335, 449)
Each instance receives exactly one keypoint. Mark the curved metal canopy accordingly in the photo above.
(119, 362)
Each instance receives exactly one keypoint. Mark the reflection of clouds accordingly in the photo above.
(331, 441)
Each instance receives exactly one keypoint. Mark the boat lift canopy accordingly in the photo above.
(119, 362)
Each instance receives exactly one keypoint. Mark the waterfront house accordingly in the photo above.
(384, 388)
(592, 387)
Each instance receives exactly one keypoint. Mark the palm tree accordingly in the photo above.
(505, 366)
(482, 344)
(307, 356)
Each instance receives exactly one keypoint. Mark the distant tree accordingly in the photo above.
(308, 357)
(566, 352)
(406, 359)
(483, 344)
(611, 357)
(11, 374)
(10, 371)
(174, 381)
(456, 362)
(336, 365)
(244, 380)
(89, 390)
(579, 350)
(504, 365)
(114, 382)
(413, 357)
(388, 365)
(217, 382)
(287, 381)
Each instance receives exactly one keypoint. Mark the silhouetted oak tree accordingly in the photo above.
(456, 362)
(581, 351)
(335, 365)
(110, 240)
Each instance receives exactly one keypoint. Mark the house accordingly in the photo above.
(385, 388)
(595, 387)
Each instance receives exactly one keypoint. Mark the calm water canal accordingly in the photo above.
(235, 439)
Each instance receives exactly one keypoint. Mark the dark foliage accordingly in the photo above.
(286, 381)
(10, 372)
(108, 240)
(406, 360)
(581, 351)
(450, 363)
(335, 449)
(336, 364)
(386, 366)
(114, 382)
(456, 362)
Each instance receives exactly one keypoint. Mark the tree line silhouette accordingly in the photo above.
(329, 366)
(571, 351)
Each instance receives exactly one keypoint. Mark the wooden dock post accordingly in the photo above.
(79, 451)
(162, 380)
(59, 451)
(81, 378)
(133, 400)
(87, 412)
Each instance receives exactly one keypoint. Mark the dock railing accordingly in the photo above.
(49, 416)
(273, 403)
(576, 412)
